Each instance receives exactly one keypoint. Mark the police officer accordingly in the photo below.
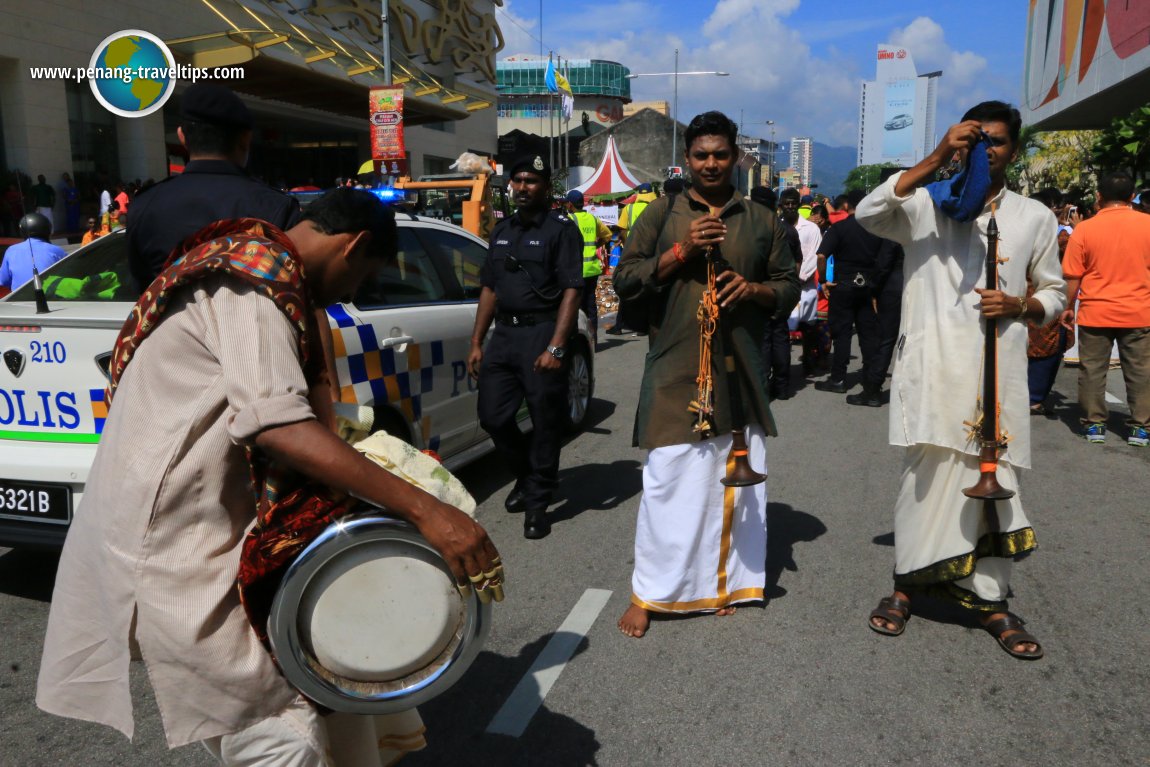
(856, 252)
(594, 233)
(531, 284)
(216, 129)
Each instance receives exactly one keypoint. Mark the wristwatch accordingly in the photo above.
(556, 351)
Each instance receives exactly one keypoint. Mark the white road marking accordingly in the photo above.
(1113, 400)
(512, 719)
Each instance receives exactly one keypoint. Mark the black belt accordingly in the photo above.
(526, 319)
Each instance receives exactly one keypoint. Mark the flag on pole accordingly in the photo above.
(549, 79)
(568, 105)
(561, 84)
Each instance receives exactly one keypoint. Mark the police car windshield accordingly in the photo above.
(98, 272)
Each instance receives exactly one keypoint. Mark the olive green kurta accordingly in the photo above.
(757, 248)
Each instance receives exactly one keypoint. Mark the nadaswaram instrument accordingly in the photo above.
(990, 435)
(703, 406)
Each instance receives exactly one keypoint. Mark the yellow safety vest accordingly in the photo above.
(633, 211)
(589, 226)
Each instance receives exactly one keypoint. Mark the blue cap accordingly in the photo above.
(575, 197)
(806, 199)
(644, 187)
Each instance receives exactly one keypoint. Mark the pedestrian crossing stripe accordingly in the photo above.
(371, 374)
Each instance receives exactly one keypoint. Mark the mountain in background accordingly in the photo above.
(831, 164)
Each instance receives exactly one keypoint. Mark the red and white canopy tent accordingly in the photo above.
(611, 177)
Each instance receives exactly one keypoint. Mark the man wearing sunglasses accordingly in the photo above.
(532, 282)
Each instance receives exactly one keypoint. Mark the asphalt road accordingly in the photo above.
(799, 682)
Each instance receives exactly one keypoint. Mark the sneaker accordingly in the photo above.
(1139, 437)
(1095, 432)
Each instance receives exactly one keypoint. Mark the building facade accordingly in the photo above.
(304, 67)
(601, 91)
(897, 111)
(802, 158)
(1083, 69)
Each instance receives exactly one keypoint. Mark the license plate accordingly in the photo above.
(34, 501)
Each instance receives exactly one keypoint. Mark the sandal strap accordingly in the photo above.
(999, 626)
(893, 605)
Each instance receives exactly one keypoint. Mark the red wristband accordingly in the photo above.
(677, 252)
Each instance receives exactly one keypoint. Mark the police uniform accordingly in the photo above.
(530, 264)
(167, 213)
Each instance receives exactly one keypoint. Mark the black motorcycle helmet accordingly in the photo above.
(35, 225)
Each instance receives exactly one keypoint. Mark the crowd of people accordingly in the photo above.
(720, 283)
(63, 205)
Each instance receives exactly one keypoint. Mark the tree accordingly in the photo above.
(1125, 144)
(865, 177)
(1060, 159)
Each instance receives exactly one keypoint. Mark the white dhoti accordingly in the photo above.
(942, 537)
(700, 546)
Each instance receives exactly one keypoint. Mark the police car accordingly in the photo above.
(401, 349)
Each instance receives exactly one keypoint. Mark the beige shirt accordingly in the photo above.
(159, 530)
(937, 381)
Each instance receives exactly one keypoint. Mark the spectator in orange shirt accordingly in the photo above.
(93, 231)
(1107, 267)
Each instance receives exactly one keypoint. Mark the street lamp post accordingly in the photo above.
(675, 101)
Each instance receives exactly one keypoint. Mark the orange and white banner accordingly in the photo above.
(385, 110)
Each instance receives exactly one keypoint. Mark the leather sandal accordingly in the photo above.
(893, 609)
(1011, 622)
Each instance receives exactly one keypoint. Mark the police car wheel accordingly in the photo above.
(578, 388)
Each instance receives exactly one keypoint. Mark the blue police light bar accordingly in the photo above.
(389, 194)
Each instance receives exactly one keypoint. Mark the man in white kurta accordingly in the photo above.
(152, 555)
(942, 541)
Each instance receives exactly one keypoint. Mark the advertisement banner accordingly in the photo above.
(608, 214)
(898, 117)
(385, 111)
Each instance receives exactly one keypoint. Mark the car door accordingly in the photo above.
(403, 342)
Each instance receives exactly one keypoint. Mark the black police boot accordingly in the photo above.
(838, 387)
(870, 396)
(536, 525)
(515, 503)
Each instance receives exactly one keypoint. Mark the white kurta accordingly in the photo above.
(159, 530)
(937, 379)
(700, 546)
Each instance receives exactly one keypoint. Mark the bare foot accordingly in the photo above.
(634, 622)
(724, 611)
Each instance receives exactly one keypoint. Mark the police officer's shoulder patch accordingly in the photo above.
(563, 218)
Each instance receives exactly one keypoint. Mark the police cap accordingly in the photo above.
(216, 105)
(533, 163)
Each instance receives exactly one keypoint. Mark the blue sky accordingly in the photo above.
(796, 62)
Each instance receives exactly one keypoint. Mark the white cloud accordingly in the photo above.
(965, 78)
(774, 74)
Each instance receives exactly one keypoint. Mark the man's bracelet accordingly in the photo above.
(677, 252)
(1021, 307)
